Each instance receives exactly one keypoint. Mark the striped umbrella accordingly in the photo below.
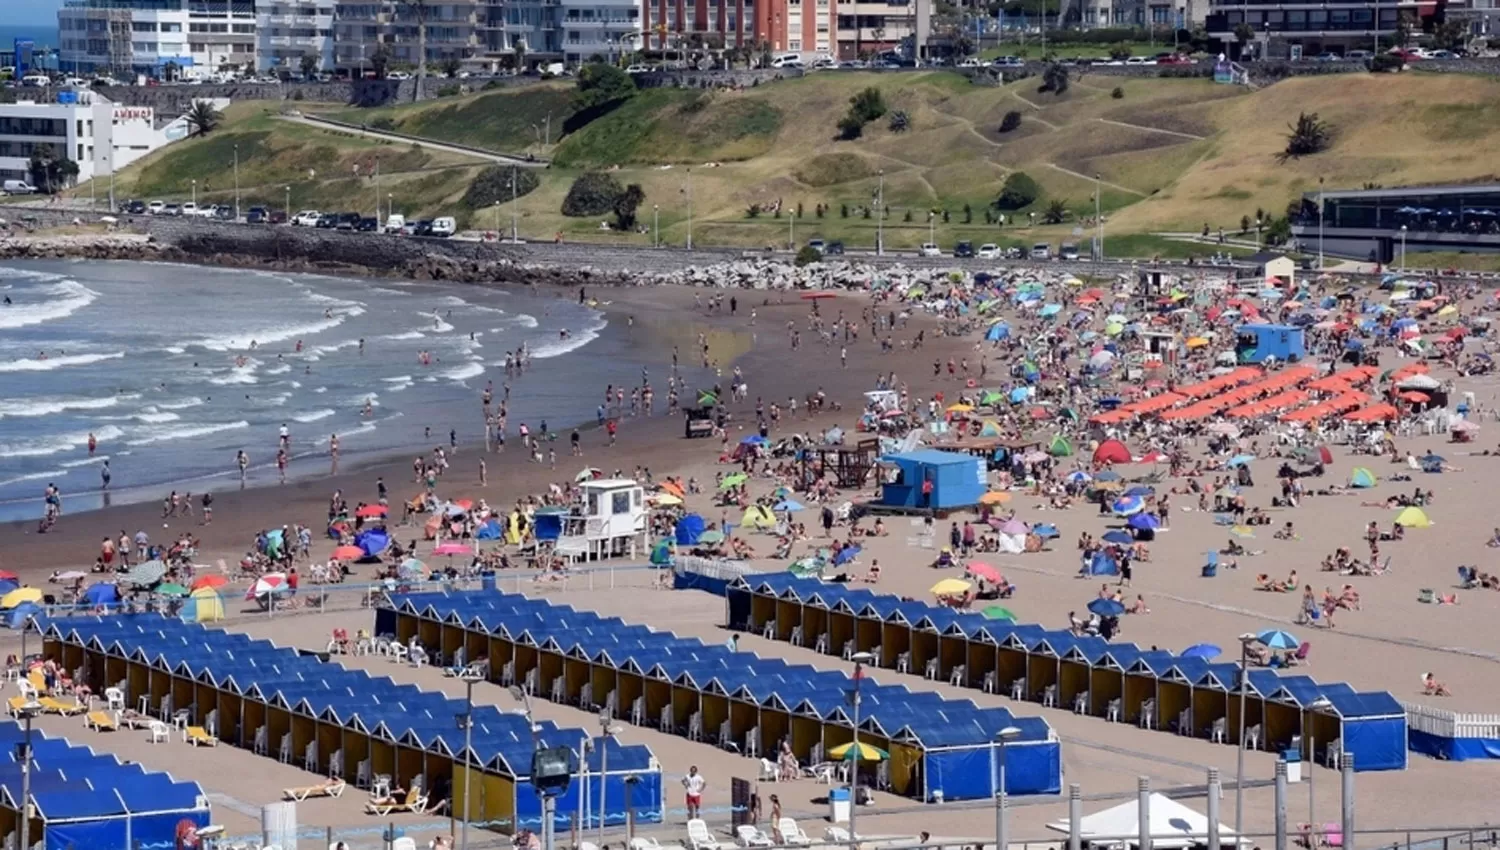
(147, 574)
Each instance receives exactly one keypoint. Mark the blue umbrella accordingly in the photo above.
(1119, 537)
(753, 439)
(1045, 530)
(1240, 460)
(1078, 476)
(1019, 394)
(790, 505)
(1051, 310)
(1206, 651)
(1278, 639)
(845, 555)
(1140, 490)
(1107, 607)
(1107, 475)
(102, 594)
(1434, 459)
(1145, 522)
(1127, 505)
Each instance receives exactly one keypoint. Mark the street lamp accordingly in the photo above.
(466, 722)
(690, 209)
(997, 779)
(1098, 219)
(605, 730)
(195, 194)
(656, 225)
(1403, 249)
(931, 224)
(515, 177)
(288, 204)
(497, 219)
(1239, 769)
(860, 659)
(237, 183)
(1317, 705)
(1258, 225)
(519, 694)
(791, 231)
(1320, 224)
(880, 215)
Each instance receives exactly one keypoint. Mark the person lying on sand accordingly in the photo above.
(1431, 687)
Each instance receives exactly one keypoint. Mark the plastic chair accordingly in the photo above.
(160, 732)
(1220, 731)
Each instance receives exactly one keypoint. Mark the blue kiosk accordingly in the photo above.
(931, 480)
(1259, 343)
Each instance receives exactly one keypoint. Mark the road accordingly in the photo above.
(461, 150)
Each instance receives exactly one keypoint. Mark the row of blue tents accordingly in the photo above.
(341, 722)
(81, 798)
(1153, 688)
(735, 699)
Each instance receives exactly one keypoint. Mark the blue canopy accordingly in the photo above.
(102, 593)
(689, 529)
(373, 541)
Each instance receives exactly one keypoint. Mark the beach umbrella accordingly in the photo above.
(994, 497)
(1240, 460)
(1078, 476)
(102, 593)
(1049, 310)
(147, 574)
(711, 536)
(1045, 530)
(998, 612)
(1278, 639)
(950, 587)
(1242, 531)
(348, 553)
(991, 397)
(371, 511)
(266, 585)
(412, 568)
(7, 575)
(586, 474)
(1410, 518)
(74, 575)
(1012, 527)
(1118, 537)
(753, 440)
(451, 549)
(733, 480)
(960, 408)
(1107, 476)
(863, 752)
(1361, 478)
(667, 500)
(1141, 490)
(980, 569)
(790, 505)
(171, 590)
(1225, 429)
(706, 397)
(1206, 651)
(1106, 607)
(1127, 505)
(210, 581)
(1145, 522)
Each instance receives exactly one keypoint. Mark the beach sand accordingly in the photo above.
(1387, 645)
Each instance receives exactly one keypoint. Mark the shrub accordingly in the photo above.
(1118, 93)
(448, 91)
(1119, 51)
(593, 193)
(384, 122)
(850, 128)
(1307, 137)
(843, 210)
(900, 122)
(907, 217)
(1056, 212)
(493, 186)
(626, 204)
(808, 254)
(1011, 121)
(1019, 191)
(1055, 79)
(864, 107)
(1386, 63)
(752, 211)
(599, 83)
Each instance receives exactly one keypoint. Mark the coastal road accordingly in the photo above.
(461, 150)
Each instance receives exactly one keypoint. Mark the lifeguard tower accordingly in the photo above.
(609, 521)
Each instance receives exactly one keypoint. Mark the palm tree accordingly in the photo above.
(203, 117)
(419, 7)
(1056, 212)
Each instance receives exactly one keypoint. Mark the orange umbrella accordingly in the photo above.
(1415, 397)
(348, 553)
(672, 487)
(210, 581)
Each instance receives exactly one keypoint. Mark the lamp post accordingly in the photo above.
(519, 694)
(997, 779)
(31, 709)
(466, 721)
(288, 206)
(1098, 219)
(931, 227)
(1320, 224)
(237, 183)
(1258, 225)
(1239, 762)
(514, 227)
(1403, 248)
(390, 204)
(860, 659)
(791, 231)
(690, 209)
(195, 195)
(880, 215)
(1317, 705)
(497, 219)
(605, 730)
(656, 225)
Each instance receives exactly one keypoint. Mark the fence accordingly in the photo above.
(1452, 735)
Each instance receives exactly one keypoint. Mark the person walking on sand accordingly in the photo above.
(694, 784)
(242, 460)
(208, 508)
(333, 452)
(483, 473)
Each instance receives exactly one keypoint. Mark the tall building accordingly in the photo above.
(872, 27)
(1293, 28)
(128, 37)
(671, 24)
(288, 30)
(96, 134)
(1157, 14)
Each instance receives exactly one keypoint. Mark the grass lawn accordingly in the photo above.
(505, 120)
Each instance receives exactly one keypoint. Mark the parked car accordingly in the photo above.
(19, 187)
(1328, 57)
(817, 245)
(367, 224)
(307, 218)
(1172, 59)
(1008, 62)
(347, 221)
(971, 62)
(224, 212)
(833, 249)
(963, 250)
(1041, 251)
(989, 251)
(395, 223)
(1068, 251)
(444, 227)
(1140, 60)
(420, 227)
(190, 208)
(278, 217)
(135, 207)
(172, 209)
(155, 208)
(638, 69)
(929, 249)
(257, 215)
(1358, 54)
(327, 221)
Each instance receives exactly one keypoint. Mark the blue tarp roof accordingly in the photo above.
(932, 457)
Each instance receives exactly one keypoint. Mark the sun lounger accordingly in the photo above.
(101, 721)
(15, 705)
(414, 801)
(66, 709)
(132, 719)
(332, 788)
(199, 737)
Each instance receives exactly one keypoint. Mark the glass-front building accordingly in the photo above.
(1469, 209)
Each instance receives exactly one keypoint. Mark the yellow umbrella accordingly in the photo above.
(1447, 311)
(1197, 342)
(846, 752)
(20, 595)
(960, 408)
(950, 587)
(994, 497)
(667, 499)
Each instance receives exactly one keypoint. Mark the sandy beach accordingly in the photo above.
(1388, 642)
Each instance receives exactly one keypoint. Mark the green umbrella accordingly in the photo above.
(172, 590)
(734, 480)
(707, 397)
(587, 474)
(991, 397)
(711, 537)
(998, 612)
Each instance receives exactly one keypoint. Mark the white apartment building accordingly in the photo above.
(87, 128)
(132, 37)
(287, 30)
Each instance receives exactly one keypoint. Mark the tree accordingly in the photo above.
(419, 8)
(1010, 122)
(493, 186)
(1056, 212)
(599, 84)
(1450, 35)
(593, 193)
(1279, 231)
(1244, 33)
(1055, 79)
(1119, 51)
(1404, 24)
(203, 117)
(864, 107)
(900, 122)
(807, 255)
(1019, 191)
(451, 66)
(626, 204)
(1244, 224)
(520, 51)
(380, 61)
(43, 166)
(1307, 137)
(309, 64)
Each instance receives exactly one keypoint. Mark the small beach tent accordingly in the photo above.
(957, 480)
(490, 530)
(1170, 826)
(758, 516)
(689, 529)
(205, 605)
(1361, 478)
(17, 617)
(1103, 564)
(1413, 518)
(1060, 447)
(1111, 451)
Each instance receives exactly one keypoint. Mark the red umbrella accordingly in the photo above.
(211, 581)
(348, 553)
(980, 569)
(265, 585)
(7, 574)
(370, 511)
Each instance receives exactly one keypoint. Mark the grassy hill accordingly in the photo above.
(1169, 155)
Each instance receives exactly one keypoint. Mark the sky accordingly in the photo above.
(30, 12)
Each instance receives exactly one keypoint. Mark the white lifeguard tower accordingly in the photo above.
(609, 521)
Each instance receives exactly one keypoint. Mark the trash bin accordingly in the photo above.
(487, 580)
(838, 805)
(1293, 759)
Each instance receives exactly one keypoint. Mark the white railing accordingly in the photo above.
(1451, 724)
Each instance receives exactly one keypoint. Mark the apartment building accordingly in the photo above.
(85, 127)
(1295, 28)
(129, 37)
(872, 27)
(288, 30)
(1157, 14)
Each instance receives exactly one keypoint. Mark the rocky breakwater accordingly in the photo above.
(86, 246)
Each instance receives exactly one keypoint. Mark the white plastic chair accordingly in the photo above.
(1018, 688)
(1220, 731)
(1112, 712)
(930, 671)
(699, 838)
(1049, 696)
(989, 682)
(959, 676)
(1081, 702)
(768, 771)
(1252, 737)
(791, 833)
(1147, 719)
(160, 732)
(114, 699)
(903, 662)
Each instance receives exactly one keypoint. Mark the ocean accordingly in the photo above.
(176, 368)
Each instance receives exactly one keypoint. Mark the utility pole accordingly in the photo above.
(880, 215)
(237, 182)
(690, 209)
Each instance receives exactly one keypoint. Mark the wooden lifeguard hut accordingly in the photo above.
(608, 521)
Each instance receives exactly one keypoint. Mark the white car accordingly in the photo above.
(928, 249)
(971, 62)
(638, 69)
(988, 251)
(306, 218)
(398, 75)
(188, 209)
(1140, 60)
